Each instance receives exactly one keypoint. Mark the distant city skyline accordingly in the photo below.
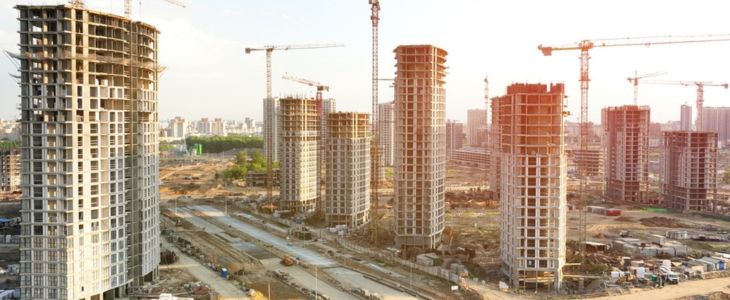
(208, 73)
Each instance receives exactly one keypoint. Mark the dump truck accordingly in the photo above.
(288, 261)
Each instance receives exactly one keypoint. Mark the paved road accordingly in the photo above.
(223, 287)
(302, 278)
(307, 256)
(683, 289)
(353, 279)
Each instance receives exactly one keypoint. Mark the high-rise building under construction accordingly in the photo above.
(420, 146)
(690, 170)
(386, 129)
(626, 140)
(533, 182)
(348, 169)
(90, 162)
(271, 129)
(298, 151)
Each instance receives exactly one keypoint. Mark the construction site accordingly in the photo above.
(393, 203)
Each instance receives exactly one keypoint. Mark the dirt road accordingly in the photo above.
(684, 289)
(216, 283)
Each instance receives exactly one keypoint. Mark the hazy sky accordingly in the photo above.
(208, 73)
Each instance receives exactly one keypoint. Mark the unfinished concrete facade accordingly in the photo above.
(271, 129)
(690, 170)
(327, 107)
(386, 124)
(10, 170)
(420, 146)
(626, 140)
(454, 137)
(348, 169)
(299, 150)
(90, 136)
(495, 149)
(534, 185)
(590, 160)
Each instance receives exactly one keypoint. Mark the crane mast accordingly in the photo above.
(375, 147)
(584, 47)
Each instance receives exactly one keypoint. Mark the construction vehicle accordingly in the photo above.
(700, 93)
(667, 275)
(288, 261)
(584, 47)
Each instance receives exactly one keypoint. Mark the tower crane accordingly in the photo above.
(320, 87)
(700, 93)
(635, 81)
(375, 147)
(584, 47)
(269, 49)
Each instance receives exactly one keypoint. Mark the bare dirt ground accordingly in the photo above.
(684, 289)
(223, 287)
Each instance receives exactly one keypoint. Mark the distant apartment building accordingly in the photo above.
(178, 128)
(475, 157)
(690, 170)
(348, 169)
(386, 130)
(90, 162)
(454, 137)
(717, 119)
(218, 127)
(685, 119)
(271, 129)
(626, 142)
(9, 129)
(10, 169)
(476, 127)
(420, 146)
(204, 126)
(533, 184)
(299, 150)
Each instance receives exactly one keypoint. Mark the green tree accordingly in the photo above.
(235, 172)
(217, 144)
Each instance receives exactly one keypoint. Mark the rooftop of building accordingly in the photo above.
(69, 6)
